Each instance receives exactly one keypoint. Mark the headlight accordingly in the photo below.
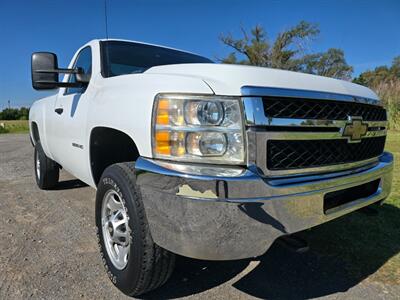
(198, 129)
(203, 112)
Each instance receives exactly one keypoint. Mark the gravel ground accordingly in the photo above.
(48, 250)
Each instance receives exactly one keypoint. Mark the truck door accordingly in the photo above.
(69, 144)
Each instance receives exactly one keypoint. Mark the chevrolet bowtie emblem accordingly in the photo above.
(355, 129)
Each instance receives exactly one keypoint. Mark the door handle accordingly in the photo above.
(59, 110)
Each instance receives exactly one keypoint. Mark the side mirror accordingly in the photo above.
(44, 71)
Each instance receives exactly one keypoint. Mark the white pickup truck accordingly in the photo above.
(204, 160)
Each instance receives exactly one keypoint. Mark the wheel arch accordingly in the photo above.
(108, 146)
(35, 136)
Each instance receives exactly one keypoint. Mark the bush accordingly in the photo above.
(390, 95)
(3, 129)
(15, 114)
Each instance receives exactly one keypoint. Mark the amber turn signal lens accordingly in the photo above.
(163, 112)
(170, 143)
(163, 143)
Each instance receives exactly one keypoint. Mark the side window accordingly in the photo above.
(84, 61)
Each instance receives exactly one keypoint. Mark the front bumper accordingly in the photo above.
(194, 213)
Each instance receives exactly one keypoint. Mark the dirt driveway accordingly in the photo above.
(48, 250)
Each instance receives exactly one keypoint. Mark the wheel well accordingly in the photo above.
(109, 146)
(35, 132)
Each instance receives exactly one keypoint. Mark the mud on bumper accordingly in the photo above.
(222, 213)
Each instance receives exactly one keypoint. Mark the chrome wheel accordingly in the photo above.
(115, 227)
(37, 166)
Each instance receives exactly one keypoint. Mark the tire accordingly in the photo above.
(47, 171)
(144, 266)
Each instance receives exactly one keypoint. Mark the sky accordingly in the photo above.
(368, 31)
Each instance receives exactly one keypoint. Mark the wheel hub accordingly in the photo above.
(116, 231)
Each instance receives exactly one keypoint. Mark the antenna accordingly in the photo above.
(105, 15)
(106, 43)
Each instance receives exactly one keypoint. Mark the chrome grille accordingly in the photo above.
(298, 154)
(281, 107)
(295, 132)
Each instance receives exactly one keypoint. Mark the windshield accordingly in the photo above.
(120, 58)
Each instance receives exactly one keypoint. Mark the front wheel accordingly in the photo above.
(134, 263)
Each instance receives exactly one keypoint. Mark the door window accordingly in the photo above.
(84, 61)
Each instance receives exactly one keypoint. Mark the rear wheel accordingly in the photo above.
(134, 263)
(47, 171)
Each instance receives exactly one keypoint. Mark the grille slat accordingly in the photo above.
(299, 154)
(284, 107)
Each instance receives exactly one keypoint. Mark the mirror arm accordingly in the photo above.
(62, 84)
(77, 71)
(61, 71)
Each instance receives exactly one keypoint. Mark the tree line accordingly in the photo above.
(380, 75)
(15, 114)
(290, 51)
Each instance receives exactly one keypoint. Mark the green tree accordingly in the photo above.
(395, 68)
(385, 81)
(286, 52)
(15, 114)
(380, 75)
(23, 113)
(331, 63)
(9, 114)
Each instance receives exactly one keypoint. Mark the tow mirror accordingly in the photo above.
(43, 69)
(45, 73)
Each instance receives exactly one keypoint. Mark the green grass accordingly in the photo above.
(17, 126)
(367, 246)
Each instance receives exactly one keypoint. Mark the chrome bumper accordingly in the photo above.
(238, 215)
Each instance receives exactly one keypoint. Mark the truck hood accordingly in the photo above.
(226, 79)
